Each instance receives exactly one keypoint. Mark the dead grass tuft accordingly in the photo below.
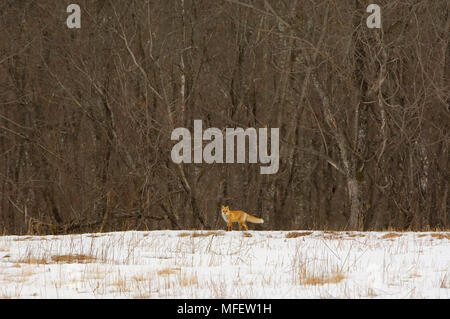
(297, 234)
(322, 279)
(73, 259)
(200, 234)
(440, 235)
(311, 276)
(205, 234)
(168, 271)
(184, 235)
(140, 277)
(391, 235)
(33, 260)
(333, 278)
(121, 284)
(350, 234)
(187, 279)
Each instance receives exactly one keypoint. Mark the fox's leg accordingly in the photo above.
(229, 226)
(240, 226)
(245, 225)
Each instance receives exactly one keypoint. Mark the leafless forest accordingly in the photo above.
(86, 114)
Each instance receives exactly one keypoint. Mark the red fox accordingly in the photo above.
(230, 216)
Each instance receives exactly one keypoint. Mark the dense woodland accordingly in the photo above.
(86, 114)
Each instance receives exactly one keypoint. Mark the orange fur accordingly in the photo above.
(239, 216)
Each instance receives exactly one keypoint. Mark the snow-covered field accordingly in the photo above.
(219, 264)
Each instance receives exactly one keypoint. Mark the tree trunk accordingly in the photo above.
(354, 193)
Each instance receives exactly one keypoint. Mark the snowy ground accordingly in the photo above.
(219, 264)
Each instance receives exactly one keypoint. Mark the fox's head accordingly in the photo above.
(225, 209)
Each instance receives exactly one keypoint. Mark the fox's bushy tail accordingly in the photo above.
(255, 220)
